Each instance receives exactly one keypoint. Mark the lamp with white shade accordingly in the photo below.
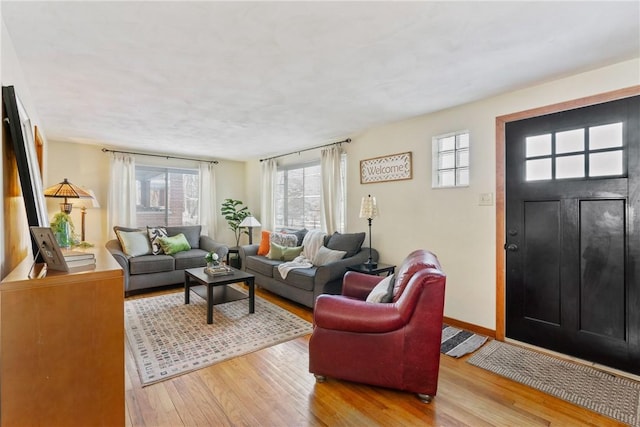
(369, 210)
(250, 222)
(84, 204)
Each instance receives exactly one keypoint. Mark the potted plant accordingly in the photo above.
(233, 211)
(63, 229)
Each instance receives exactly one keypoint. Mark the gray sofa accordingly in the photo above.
(303, 285)
(151, 271)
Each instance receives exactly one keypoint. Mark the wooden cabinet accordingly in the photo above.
(62, 346)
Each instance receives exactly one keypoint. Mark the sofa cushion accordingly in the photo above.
(134, 243)
(191, 232)
(190, 259)
(174, 244)
(327, 256)
(301, 278)
(154, 234)
(348, 242)
(151, 264)
(265, 245)
(284, 253)
(261, 265)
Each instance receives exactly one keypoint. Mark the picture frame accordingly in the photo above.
(20, 131)
(393, 167)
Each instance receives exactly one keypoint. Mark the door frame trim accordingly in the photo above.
(501, 121)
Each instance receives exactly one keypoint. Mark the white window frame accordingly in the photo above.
(436, 155)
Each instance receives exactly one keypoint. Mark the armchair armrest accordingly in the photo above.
(359, 285)
(350, 315)
(210, 245)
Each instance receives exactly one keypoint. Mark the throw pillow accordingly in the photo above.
(264, 247)
(134, 243)
(154, 234)
(349, 242)
(381, 292)
(299, 233)
(326, 256)
(284, 253)
(174, 244)
(284, 239)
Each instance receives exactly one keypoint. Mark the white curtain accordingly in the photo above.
(207, 206)
(331, 188)
(121, 209)
(268, 207)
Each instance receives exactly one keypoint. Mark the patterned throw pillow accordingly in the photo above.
(284, 239)
(154, 234)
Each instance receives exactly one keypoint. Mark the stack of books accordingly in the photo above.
(78, 258)
(220, 270)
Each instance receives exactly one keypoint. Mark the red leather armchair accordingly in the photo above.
(394, 345)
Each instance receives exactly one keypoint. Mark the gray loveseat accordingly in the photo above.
(303, 285)
(150, 271)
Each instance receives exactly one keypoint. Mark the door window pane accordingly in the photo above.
(570, 166)
(538, 169)
(463, 140)
(570, 141)
(447, 161)
(539, 145)
(606, 136)
(607, 163)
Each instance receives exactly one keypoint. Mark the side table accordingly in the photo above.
(234, 250)
(378, 270)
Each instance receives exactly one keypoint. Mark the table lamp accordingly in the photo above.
(250, 222)
(369, 210)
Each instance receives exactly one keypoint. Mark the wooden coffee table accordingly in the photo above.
(214, 289)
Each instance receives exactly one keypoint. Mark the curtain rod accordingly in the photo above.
(348, 140)
(106, 150)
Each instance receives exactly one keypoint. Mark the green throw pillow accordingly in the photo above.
(174, 244)
(134, 243)
(283, 253)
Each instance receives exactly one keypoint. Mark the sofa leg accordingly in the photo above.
(320, 378)
(425, 398)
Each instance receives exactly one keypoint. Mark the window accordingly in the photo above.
(575, 153)
(166, 196)
(451, 160)
(298, 196)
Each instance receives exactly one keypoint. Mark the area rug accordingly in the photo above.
(169, 338)
(458, 342)
(582, 385)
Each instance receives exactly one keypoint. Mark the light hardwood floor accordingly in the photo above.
(272, 387)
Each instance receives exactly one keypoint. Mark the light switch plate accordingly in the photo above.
(485, 199)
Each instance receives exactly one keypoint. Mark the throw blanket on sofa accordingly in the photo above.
(311, 243)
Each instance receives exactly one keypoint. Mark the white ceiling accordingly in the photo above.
(254, 79)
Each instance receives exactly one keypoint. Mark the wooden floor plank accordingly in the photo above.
(273, 387)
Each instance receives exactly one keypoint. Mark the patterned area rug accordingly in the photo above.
(169, 338)
(599, 391)
(458, 342)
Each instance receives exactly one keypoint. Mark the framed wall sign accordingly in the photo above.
(395, 167)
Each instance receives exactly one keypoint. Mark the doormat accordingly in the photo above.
(169, 338)
(458, 342)
(599, 391)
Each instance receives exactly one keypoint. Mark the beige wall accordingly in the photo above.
(450, 222)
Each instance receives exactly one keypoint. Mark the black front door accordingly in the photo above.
(573, 232)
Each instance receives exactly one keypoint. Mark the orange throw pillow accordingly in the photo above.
(264, 243)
